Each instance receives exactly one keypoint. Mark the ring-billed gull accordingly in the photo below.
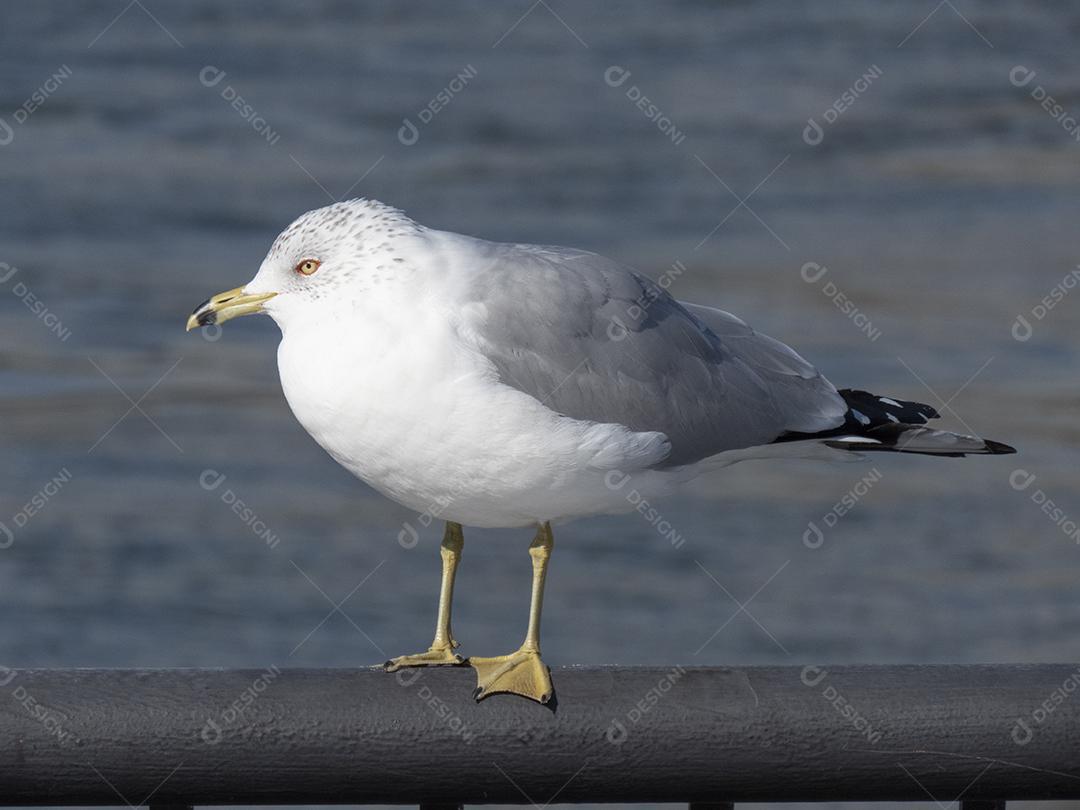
(515, 385)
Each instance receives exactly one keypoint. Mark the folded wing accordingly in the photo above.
(593, 340)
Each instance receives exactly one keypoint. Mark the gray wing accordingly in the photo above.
(594, 340)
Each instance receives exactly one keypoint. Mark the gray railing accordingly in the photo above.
(709, 737)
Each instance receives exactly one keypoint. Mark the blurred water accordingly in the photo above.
(941, 201)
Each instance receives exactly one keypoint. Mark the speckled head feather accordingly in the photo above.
(368, 224)
(358, 245)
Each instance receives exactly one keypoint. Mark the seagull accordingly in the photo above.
(515, 385)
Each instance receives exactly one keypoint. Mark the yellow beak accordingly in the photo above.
(226, 306)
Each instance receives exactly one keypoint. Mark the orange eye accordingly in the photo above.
(308, 266)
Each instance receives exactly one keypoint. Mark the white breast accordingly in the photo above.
(401, 404)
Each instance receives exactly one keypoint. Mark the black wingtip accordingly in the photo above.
(999, 448)
(880, 410)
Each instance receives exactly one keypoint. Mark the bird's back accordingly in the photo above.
(594, 340)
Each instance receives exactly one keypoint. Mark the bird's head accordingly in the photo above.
(334, 254)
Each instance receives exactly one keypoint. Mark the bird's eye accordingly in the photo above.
(308, 266)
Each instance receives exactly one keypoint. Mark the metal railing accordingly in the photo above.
(708, 737)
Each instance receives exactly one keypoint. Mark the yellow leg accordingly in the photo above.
(522, 672)
(441, 652)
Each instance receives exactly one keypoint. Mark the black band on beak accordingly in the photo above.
(204, 314)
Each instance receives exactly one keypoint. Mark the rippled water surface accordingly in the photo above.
(940, 199)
